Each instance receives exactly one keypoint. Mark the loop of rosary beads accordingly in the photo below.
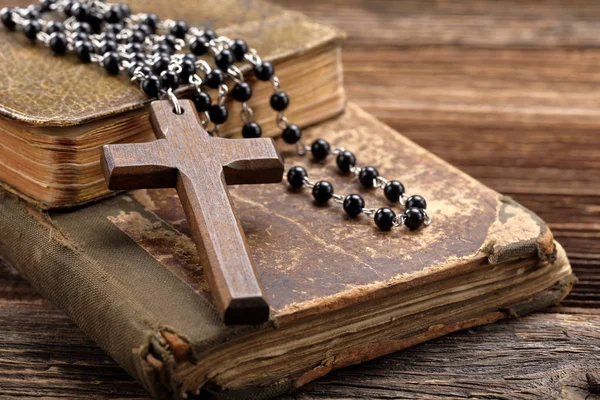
(151, 51)
(369, 177)
(413, 218)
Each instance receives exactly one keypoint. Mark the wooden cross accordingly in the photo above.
(200, 167)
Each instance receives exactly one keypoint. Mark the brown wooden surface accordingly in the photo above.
(506, 91)
(186, 157)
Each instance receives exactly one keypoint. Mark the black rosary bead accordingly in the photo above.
(296, 176)
(224, 59)
(83, 27)
(81, 36)
(239, 48)
(169, 40)
(190, 56)
(7, 18)
(145, 29)
(393, 190)
(414, 218)
(68, 7)
(353, 205)
(45, 5)
(161, 64)
(214, 78)
(32, 12)
(138, 58)
(251, 130)
(54, 26)
(169, 80)
(151, 20)
(144, 69)
(188, 68)
(113, 29)
(110, 36)
(218, 114)
(320, 149)
(384, 218)
(179, 29)
(367, 176)
(95, 19)
(322, 192)
(111, 62)
(137, 36)
(202, 101)
(151, 86)
(84, 50)
(264, 71)
(242, 91)
(125, 10)
(199, 46)
(291, 134)
(416, 201)
(162, 49)
(345, 160)
(58, 42)
(113, 15)
(80, 11)
(107, 46)
(31, 29)
(135, 48)
(209, 35)
(279, 101)
(131, 70)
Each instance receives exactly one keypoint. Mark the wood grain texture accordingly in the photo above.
(540, 356)
(524, 122)
(520, 359)
(200, 166)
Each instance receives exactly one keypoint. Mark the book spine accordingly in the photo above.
(66, 277)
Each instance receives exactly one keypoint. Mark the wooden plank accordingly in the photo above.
(541, 356)
(479, 23)
(43, 354)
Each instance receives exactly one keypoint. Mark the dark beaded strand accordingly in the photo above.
(369, 177)
(105, 34)
(354, 205)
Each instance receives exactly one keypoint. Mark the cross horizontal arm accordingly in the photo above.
(137, 166)
(250, 161)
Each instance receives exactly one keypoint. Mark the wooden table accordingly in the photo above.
(508, 91)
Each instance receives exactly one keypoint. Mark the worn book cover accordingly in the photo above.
(341, 291)
(55, 119)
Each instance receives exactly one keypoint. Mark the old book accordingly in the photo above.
(51, 134)
(341, 292)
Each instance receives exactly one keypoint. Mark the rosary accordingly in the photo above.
(162, 55)
(147, 47)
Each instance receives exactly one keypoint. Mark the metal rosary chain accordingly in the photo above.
(162, 55)
(415, 213)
